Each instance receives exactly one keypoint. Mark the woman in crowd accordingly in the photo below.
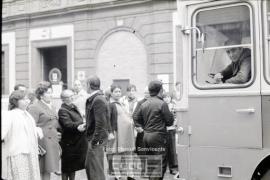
(73, 141)
(46, 118)
(129, 101)
(122, 130)
(19, 139)
(80, 96)
(171, 133)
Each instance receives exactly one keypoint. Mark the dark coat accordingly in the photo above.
(155, 115)
(137, 121)
(73, 142)
(47, 120)
(240, 71)
(97, 118)
(113, 117)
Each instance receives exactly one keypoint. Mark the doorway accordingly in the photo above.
(123, 83)
(122, 56)
(49, 54)
(54, 57)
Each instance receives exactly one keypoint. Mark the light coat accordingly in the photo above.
(47, 120)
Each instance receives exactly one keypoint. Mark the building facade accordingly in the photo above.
(121, 41)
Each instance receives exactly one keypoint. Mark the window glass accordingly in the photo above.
(4, 75)
(227, 47)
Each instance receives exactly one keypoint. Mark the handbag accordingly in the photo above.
(41, 151)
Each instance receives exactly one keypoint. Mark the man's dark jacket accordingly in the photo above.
(240, 71)
(73, 142)
(97, 118)
(155, 115)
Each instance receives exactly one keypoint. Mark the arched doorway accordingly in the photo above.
(122, 59)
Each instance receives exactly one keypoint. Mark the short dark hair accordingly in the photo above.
(130, 86)
(154, 87)
(232, 42)
(14, 97)
(17, 86)
(94, 82)
(42, 88)
(114, 86)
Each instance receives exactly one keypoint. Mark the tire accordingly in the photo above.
(266, 176)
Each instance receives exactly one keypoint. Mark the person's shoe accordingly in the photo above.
(173, 172)
(58, 173)
(130, 178)
(177, 176)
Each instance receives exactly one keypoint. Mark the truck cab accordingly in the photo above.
(224, 124)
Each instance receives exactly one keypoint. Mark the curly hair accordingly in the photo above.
(14, 97)
(42, 88)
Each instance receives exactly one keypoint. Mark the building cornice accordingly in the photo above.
(73, 9)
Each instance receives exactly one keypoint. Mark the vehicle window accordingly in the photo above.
(225, 57)
(4, 74)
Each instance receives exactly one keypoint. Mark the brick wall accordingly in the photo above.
(151, 22)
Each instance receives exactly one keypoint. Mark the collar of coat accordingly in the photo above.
(91, 98)
(68, 107)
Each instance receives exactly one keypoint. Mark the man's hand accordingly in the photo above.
(59, 136)
(81, 127)
(139, 129)
(39, 132)
(218, 78)
(111, 136)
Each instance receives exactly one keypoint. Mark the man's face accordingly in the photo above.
(77, 86)
(234, 53)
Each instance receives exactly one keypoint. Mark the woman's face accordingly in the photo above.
(77, 86)
(132, 93)
(116, 94)
(23, 103)
(47, 96)
(167, 99)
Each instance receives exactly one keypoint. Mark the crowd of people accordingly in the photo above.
(38, 141)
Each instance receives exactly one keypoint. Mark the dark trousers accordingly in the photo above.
(94, 163)
(172, 156)
(139, 146)
(156, 145)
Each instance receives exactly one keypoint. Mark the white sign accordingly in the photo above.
(57, 89)
(54, 77)
(81, 75)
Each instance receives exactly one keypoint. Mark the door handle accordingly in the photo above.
(248, 110)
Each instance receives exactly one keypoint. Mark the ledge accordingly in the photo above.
(72, 9)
